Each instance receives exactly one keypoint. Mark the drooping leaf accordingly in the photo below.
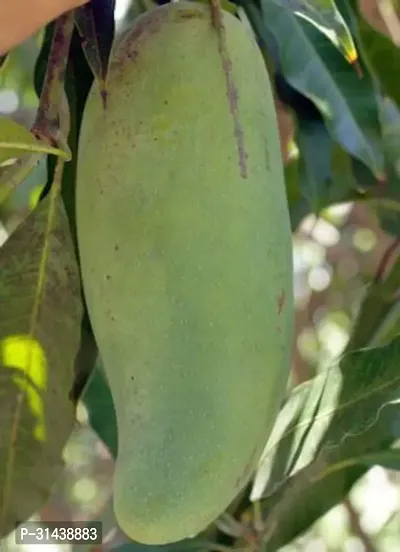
(325, 16)
(329, 425)
(382, 55)
(95, 21)
(278, 456)
(341, 402)
(40, 317)
(312, 65)
(308, 495)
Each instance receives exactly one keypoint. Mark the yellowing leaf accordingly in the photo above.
(25, 354)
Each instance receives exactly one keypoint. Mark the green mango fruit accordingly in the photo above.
(185, 247)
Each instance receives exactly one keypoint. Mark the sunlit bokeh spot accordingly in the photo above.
(319, 278)
(23, 353)
(84, 489)
(364, 240)
(325, 233)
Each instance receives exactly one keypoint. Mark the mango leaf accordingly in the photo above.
(313, 491)
(329, 425)
(16, 140)
(341, 402)
(325, 16)
(41, 311)
(95, 21)
(380, 53)
(314, 67)
(99, 403)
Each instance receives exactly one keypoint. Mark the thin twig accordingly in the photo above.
(46, 125)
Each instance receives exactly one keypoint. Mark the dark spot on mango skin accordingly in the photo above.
(147, 25)
(281, 301)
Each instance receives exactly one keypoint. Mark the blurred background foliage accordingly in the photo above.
(337, 251)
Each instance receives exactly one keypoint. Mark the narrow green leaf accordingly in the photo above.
(16, 140)
(276, 462)
(95, 21)
(314, 67)
(325, 16)
(382, 55)
(41, 311)
(343, 401)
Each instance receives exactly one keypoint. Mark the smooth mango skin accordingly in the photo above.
(187, 266)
